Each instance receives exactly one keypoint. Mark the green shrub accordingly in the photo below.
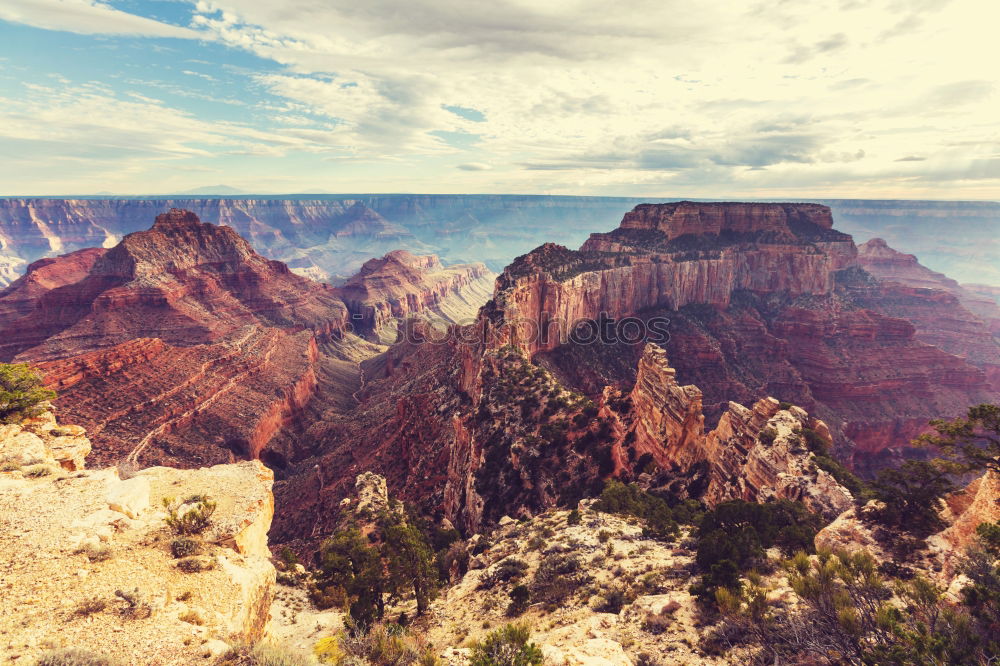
(558, 577)
(768, 435)
(733, 537)
(74, 657)
(506, 570)
(574, 517)
(96, 553)
(520, 597)
(22, 394)
(185, 547)
(193, 521)
(633, 501)
(507, 646)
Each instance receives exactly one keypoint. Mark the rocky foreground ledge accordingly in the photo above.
(88, 562)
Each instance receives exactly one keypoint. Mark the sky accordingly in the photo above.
(712, 98)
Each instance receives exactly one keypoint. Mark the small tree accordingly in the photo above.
(349, 562)
(971, 443)
(22, 394)
(410, 559)
(912, 495)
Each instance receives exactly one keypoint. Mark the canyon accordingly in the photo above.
(329, 237)
(181, 345)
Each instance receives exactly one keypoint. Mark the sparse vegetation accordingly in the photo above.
(22, 394)
(74, 657)
(37, 471)
(188, 518)
(90, 606)
(98, 552)
(262, 654)
(849, 613)
(185, 547)
(196, 564)
(507, 646)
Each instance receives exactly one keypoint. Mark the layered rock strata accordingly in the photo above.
(402, 284)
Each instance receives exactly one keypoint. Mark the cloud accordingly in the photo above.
(87, 17)
(719, 97)
(911, 158)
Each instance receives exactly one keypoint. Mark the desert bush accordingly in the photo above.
(507, 646)
(631, 500)
(520, 597)
(22, 394)
(559, 576)
(195, 564)
(386, 644)
(768, 435)
(74, 657)
(507, 570)
(90, 606)
(185, 547)
(574, 517)
(614, 599)
(194, 520)
(191, 617)
(96, 552)
(733, 538)
(846, 607)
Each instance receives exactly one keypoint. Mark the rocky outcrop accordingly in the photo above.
(755, 454)
(401, 284)
(669, 420)
(41, 277)
(759, 454)
(42, 441)
(96, 541)
(702, 218)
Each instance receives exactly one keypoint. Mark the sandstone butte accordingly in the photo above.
(792, 314)
(181, 345)
(70, 535)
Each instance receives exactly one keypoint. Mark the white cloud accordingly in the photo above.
(718, 97)
(87, 17)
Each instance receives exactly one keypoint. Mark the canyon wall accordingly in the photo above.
(769, 300)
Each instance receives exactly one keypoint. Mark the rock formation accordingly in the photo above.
(401, 284)
(88, 559)
(180, 344)
(945, 313)
(763, 299)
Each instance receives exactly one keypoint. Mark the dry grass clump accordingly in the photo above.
(263, 655)
(191, 617)
(185, 547)
(74, 657)
(659, 623)
(196, 564)
(37, 471)
(96, 552)
(90, 606)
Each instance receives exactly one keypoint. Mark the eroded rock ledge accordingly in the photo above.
(90, 536)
